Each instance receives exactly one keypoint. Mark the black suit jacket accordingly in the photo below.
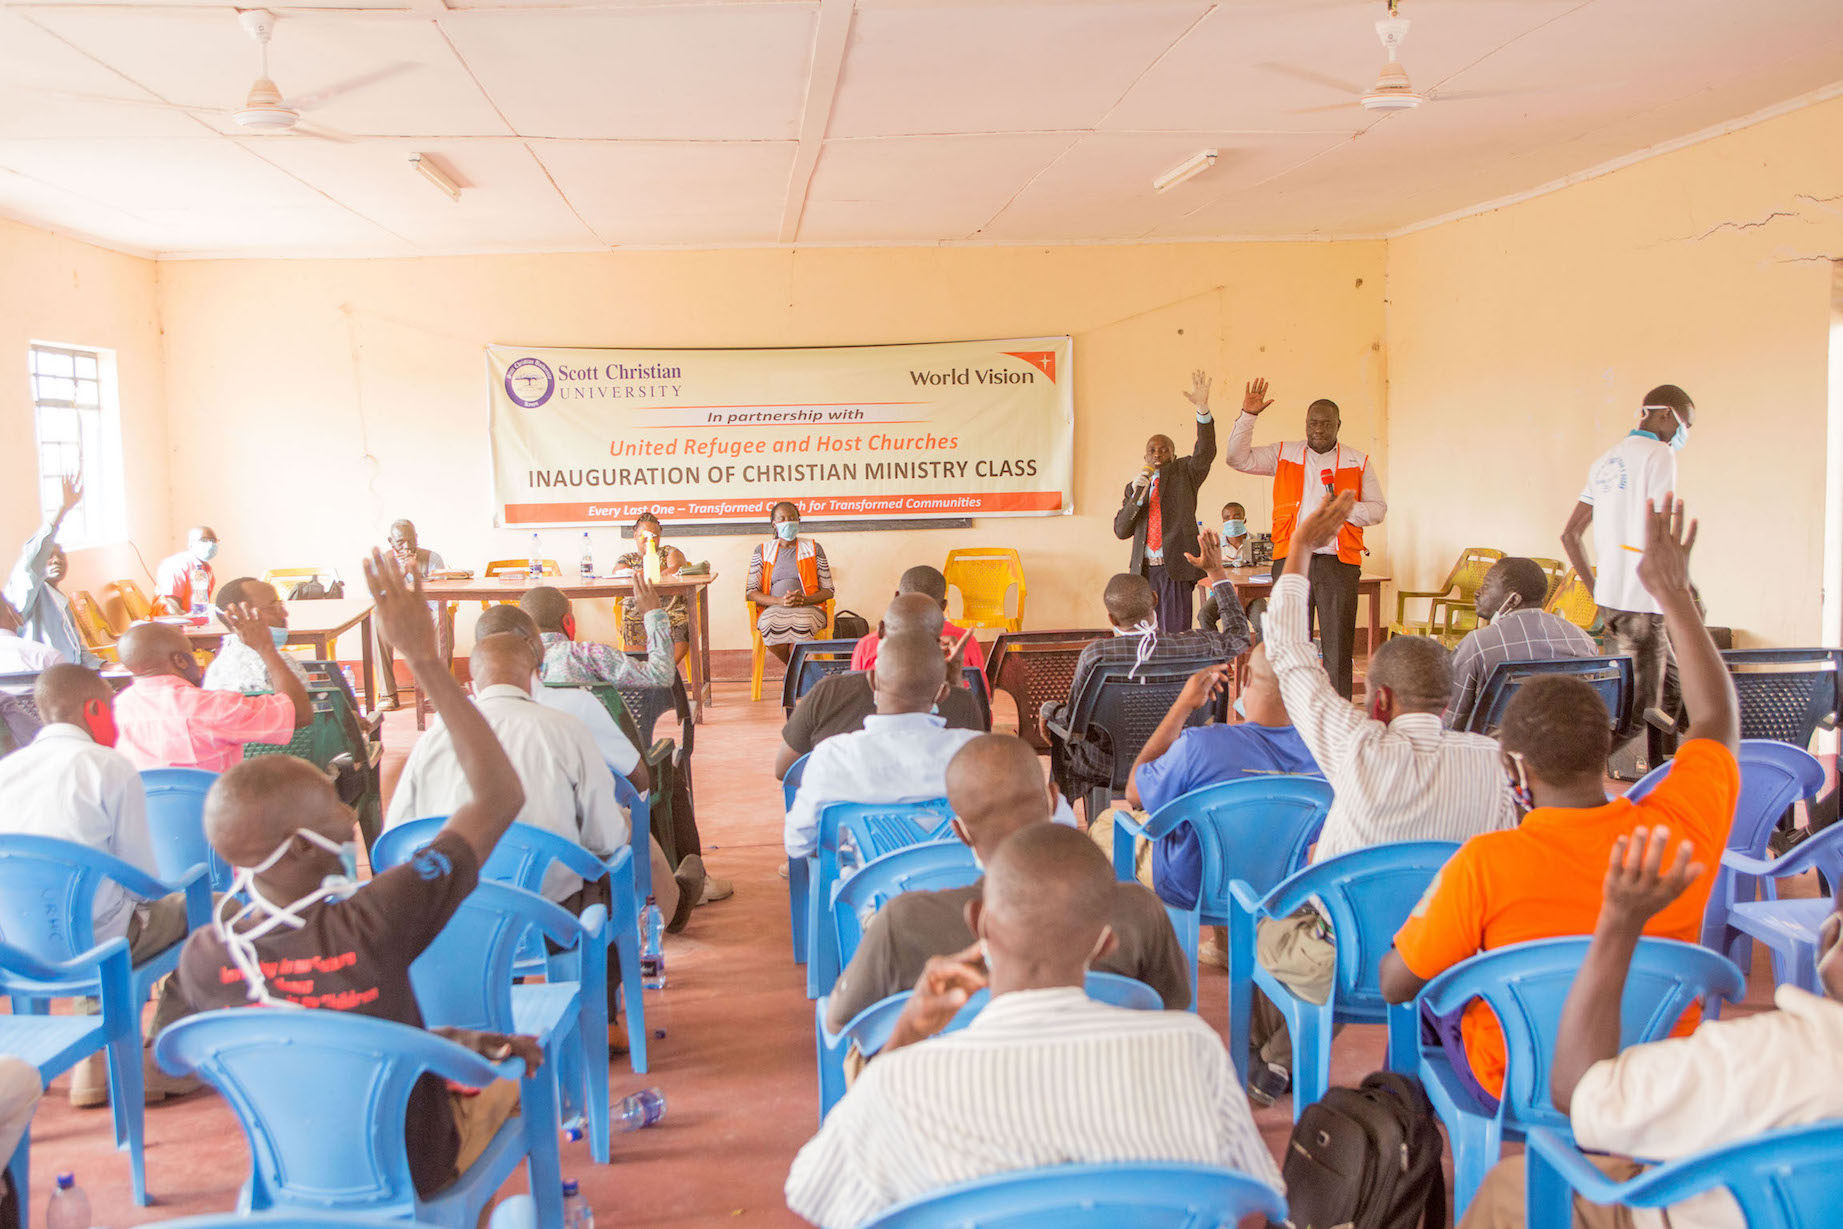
(1177, 500)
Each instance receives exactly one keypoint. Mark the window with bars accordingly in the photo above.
(78, 430)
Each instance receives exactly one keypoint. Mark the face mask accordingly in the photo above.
(1234, 529)
(1681, 439)
(99, 720)
(787, 531)
(1239, 710)
(568, 626)
(205, 551)
(279, 635)
(240, 945)
(1519, 785)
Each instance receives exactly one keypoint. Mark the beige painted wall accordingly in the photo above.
(315, 401)
(1521, 342)
(60, 290)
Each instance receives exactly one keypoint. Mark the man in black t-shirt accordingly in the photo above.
(352, 952)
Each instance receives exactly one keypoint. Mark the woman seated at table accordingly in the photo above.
(791, 581)
(647, 538)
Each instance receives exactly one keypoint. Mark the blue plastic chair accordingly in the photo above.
(282, 1220)
(1144, 1195)
(1774, 775)
(1789, 928)
(797, 870)
(851, 835)
(811, 661)
(1785, 1179)
(55, 1044)
(1367, 894)
(1256, 830)
(465, 979)
(640, 837)
(1525, 984)
(1610, 677)
(176, 821)
(322, 1098)
(870, 1029)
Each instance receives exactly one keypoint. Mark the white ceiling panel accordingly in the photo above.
(202, 57)
(894, 189)
(34, 62)
(997, 67)
(647, 193)
(689, 73)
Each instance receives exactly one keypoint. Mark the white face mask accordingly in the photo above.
(240, 945)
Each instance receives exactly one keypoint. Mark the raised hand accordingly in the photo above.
(247, 624)
(1199, 390)
(646, 598)
(1254, 398)
(1209, 555)
(400, 609)
(1203, 686)
(1320, 528)
(1669, 535)
(72, 485)
(945, 985)
(1638, 884)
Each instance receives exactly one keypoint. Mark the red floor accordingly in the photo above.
(736, 1063)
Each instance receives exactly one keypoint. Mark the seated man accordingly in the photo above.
(1398, 775)
(20, 1090)
(931, 584)
(17, 654)
(32, 587)
(567, 660)
(1515, 628)
(1084, 1082)
(1543, 879)
(166, 720)
(996, 786)
(1176, 760)
(173, 578)
(838, 703)
(1131, 607)
(1237, 552)
(900, 755)
(1724, 1083)
(237, 667)
(348, 947)
(413, 562)
(72, 785)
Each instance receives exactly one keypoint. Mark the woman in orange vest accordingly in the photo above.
(790, 582)
(1305, 473)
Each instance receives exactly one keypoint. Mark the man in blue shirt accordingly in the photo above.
(1176, 761)
(44, 611)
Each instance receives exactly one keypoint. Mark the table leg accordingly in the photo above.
(368, 664)
(699, 625)
(1375, 617)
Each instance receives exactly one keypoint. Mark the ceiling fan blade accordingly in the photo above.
(323, 133)
(1439, 95)
(1315, 78)
(319, 98)
(154, 104)
(1336, 106)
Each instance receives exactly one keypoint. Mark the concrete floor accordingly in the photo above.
(735, 1065)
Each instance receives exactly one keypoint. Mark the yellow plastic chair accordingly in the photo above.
(285, 579)
(134, 602)
(1450, 613)
(984, 576)
(92, 628)
(1555, 570)
(758, 650)
(1573, 601)
(515, 567)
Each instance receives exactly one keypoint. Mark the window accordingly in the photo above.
(77, 421)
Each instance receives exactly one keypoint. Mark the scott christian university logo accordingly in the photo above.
(529, 383)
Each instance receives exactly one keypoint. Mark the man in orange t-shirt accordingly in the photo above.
(931, 583)
(1544, 879)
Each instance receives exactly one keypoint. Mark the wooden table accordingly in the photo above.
(1370, 587)
(610, 588)
(319, 622)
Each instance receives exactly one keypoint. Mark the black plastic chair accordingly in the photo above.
(647, 704)
(809, 662)
(973, 678)
(1610, 676)
(1786, 694)
(1121, 704)
(1037, 668)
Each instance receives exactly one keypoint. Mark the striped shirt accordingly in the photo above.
(1521, 635)
(1410, 779)
(1040, 1077)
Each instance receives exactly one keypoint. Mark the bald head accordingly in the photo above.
(149, 650)
(505, 658)
(925, 580)
(258, 804)
(498, 620)
(912, 614)
(1044, 911)
(1129, 600)
(995, 785)
(909, 674)
(62, 691)
(547, 606)
(1417, 673)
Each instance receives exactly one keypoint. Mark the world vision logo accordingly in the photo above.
(1042, 360)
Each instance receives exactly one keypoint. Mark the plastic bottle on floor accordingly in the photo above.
(69, 1207)
(576, 1211)
(643, 1109)
(652, 946)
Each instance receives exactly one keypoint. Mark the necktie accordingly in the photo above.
(1155, 526)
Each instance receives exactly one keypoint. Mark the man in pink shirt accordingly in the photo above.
(165, 720)
(930, 583)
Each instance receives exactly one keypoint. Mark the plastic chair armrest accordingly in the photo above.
(593, 919)
(1766, 868)
(1575, 1169)
(660, 752)
(139, 883)
(1058, 730)
(1126, 831)
(1241, 893)
(1454, 607)
(1658, 719)
(196, 884)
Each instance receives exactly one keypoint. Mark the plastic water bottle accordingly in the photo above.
(587, 566)
(576, 1211)
(642, 1109)
(69, 1207)
(200, 581)
(650, 565)
(652, 941)
(535, 567)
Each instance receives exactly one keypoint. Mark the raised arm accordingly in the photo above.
(1241, 453)
(1324, 719)
(1204, 451)
(1573, 541)
(495, 795)
(1236, 637)
(1201, 688)
(1708, 691)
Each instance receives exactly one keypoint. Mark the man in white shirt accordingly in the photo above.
(900, 755)
(1629, 477)
(17, 654)
(72, 785)
(1397, 772)
(1084, 1082)
(1729, 1080)
(238, 667)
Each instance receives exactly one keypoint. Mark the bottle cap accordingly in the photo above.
(66, 1181)
(570, 1188)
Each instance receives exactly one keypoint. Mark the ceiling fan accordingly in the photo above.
(265, 111)
(1392, 90)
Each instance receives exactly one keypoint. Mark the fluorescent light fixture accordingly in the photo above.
(431, 170)
(1189, 168)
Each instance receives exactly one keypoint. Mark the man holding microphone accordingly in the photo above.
(1305, 474)
(1159, 513)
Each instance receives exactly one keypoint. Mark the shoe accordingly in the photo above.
(781, 870)
(89, 1083)
(691, 879)
(715, 890)
(389, 704)
(159, 1086)
(1213, 952)
(1268, 1082)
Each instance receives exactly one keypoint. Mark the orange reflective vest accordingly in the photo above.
(806, 558)
(1289, 484)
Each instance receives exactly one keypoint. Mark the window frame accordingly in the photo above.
(100, 520)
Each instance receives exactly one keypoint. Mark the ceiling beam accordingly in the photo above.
(830, 35)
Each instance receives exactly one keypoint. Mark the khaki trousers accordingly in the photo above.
(1101, 833)
(1299, 951)
(1499, 1203)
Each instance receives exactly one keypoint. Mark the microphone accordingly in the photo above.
(1324, 476)
(1145, 478)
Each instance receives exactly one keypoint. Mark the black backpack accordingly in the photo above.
(1367, 1157)
(849, 625)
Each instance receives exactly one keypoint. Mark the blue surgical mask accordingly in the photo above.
(1234, 529)
(205, 551)
(1240, 711)
(1681, 438)
(787, 531)
(279, 635)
